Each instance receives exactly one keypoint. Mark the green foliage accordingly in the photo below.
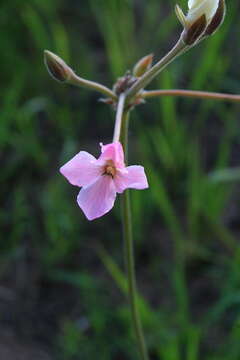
(186, 240)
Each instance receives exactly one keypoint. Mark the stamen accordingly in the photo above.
(110, 169)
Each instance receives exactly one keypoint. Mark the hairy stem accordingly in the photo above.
(129, 250)
(192, 94)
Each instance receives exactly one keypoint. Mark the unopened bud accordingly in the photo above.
(56, 67)
(218, 18)
(143, 65)
(203, 18)
(192, 34)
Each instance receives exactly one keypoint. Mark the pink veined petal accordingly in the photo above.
(98, 198)
(114, 152)
(133, 177)
(82, 169)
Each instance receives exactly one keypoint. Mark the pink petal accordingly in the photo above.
(131, 177)
(98, 198)
(82, 169)
(114, 152)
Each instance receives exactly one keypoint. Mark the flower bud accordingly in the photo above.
(194, 32)
(143, 65)
(203, 18)
(217, 19)
(56, 67)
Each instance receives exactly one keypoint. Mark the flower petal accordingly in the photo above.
(132, 177)
(194, 3)
(114, 152)
(197, 8)
(82, 169)
(98, 198)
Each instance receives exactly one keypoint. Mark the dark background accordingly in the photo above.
(62, 290)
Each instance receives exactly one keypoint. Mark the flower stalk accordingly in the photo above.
(129, 249)
(191, 94)
(119, 117)
(92, 85)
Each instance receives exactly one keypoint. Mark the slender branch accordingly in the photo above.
(156, 69)
(119, 118)
(91, 85)
(129, 250)
(191, 93)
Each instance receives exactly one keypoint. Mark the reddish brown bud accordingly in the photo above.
(217, 19)
(56, 67)
(194, 32)
(143, 65)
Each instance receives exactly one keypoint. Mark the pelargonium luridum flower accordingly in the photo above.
(101, 179)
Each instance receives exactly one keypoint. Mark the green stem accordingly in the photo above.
(129, 250)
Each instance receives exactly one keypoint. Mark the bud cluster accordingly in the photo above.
(124, 83)
(202, 19)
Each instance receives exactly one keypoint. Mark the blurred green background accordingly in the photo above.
(63, 290)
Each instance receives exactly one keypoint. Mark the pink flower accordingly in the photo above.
(101, 179)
